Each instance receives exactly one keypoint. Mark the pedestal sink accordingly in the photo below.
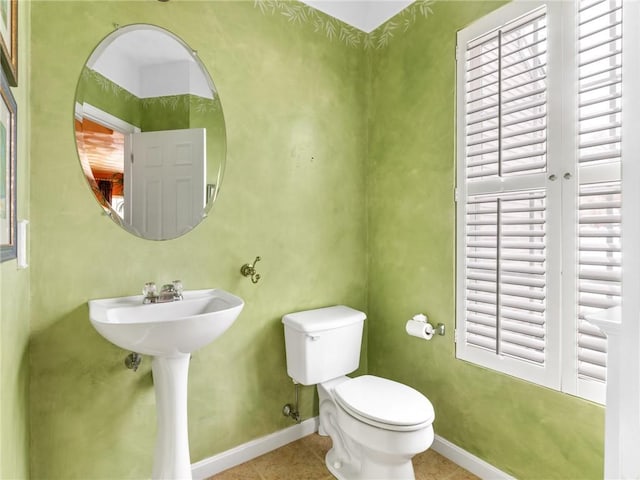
(169, 332)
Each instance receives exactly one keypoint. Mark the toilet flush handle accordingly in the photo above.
(313, 338)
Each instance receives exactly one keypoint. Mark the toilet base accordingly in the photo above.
(342, 471)
(368, 470)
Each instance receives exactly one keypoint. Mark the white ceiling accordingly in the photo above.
(150, 62)
(366, 15)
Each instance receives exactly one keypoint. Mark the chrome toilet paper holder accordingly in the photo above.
(439, 329)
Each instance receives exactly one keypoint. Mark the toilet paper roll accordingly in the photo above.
(419, 329)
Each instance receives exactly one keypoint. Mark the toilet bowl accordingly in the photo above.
(376, 425)
(379, 424)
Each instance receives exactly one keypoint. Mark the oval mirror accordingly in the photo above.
(150, 132)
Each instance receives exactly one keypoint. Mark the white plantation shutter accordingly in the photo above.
(504, 216)
(599, 34)
(539, 189)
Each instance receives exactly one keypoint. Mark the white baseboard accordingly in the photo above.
(468, 461)
(243, 453)
(250, 450)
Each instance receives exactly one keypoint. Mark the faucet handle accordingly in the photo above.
(150, 289)
(150, 293)
(177, 285)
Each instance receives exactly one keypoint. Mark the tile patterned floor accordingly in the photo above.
(304, 460)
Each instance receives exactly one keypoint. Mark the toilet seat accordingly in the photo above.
(384, 403)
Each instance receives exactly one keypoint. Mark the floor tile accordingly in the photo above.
(304, 460)
(318, 445)
(431, 465)
(241, 472)
(292, 461)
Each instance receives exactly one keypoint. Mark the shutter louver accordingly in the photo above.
(599, 204)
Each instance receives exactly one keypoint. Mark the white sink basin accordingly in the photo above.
(165, 329)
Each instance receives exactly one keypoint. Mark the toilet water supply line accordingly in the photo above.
(133, 360)
(292, 410)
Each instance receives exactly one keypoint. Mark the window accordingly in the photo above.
(539, 112)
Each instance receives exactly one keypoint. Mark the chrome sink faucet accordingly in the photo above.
(171, 292)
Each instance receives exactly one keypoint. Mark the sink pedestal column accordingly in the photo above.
(171, 459)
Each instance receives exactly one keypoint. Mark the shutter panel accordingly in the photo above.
(599, 80)
(505, 274)
(600, 270)
(599, 203)
(506, 100)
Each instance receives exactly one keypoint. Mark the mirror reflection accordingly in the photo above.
(150, 132)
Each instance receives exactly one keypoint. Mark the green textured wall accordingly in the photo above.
(14, 298)
(328, 144)
(150, 113)
(525, 430)
(206, 113)
(102, 93)
(293, 193)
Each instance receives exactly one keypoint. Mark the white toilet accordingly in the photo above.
(376, 425)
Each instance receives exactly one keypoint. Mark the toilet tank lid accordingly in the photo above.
(326, 318)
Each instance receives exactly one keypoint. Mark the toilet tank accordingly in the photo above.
(322, 344)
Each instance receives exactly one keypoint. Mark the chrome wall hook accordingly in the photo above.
(249, 270)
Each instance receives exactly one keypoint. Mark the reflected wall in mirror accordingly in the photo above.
(150, 132)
